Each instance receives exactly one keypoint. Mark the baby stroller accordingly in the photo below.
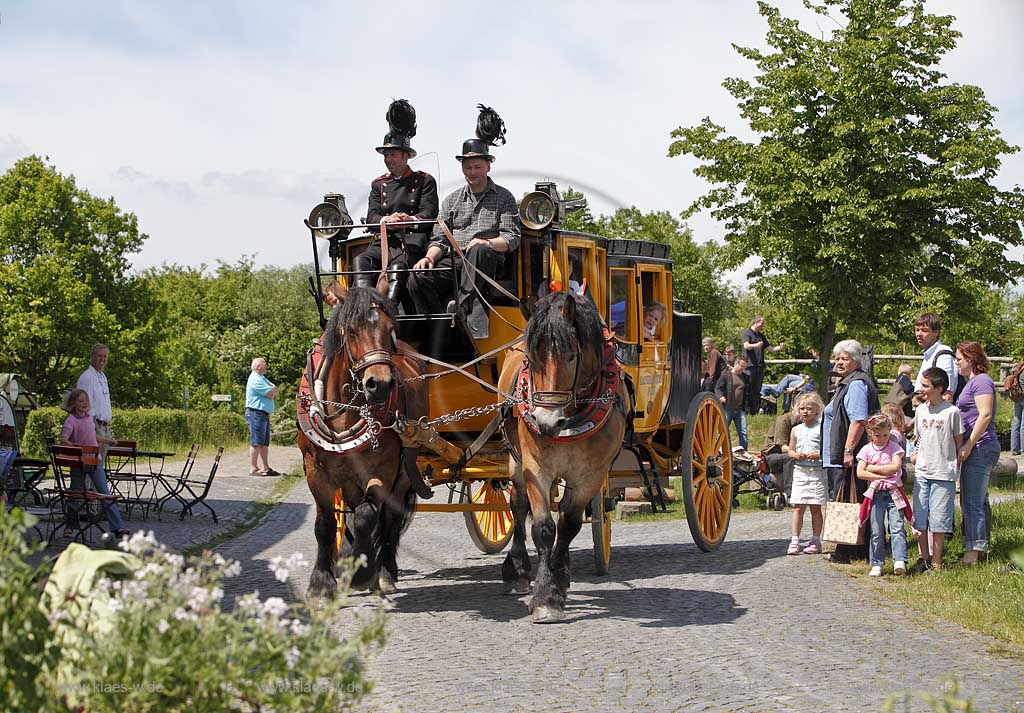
(753, 468)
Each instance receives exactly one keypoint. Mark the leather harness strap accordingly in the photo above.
(384, 252)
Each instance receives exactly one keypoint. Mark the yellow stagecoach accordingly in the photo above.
(677, 429)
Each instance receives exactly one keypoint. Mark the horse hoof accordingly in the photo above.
(547, 615)
(386, 584)
(321, 586)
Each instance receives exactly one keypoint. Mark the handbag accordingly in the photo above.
(842, 519)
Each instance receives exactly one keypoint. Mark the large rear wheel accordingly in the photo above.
(490, 530)
(706, 470)
(601, 527)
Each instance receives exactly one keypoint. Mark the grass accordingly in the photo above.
(987, 598)
(251, 516)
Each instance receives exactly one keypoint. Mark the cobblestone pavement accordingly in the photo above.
(669, 629)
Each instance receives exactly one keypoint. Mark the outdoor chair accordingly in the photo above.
(194, 490)
(174, 485)
(132, 488)
(81, 510)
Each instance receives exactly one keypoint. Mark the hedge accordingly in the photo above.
(153, 428)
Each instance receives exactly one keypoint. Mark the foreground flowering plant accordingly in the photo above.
(165, 639)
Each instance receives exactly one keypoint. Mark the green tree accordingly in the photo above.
(65, 284)
(867, 192)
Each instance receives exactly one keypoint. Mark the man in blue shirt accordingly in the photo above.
(259, 404)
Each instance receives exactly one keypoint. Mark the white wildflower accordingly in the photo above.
(175, 561)
(275, 606)
(198, 598)
(298, 628)
(233, 569)
(162, 626)
(216, 594)
(279, 570)
(291, 657)
(180, 614)
(249, 601)
(140, 542)
(114, 605)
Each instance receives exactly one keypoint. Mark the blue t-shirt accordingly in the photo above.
(256, 393)
(856, 403)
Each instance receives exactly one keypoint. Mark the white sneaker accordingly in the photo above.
(899, 568)
(875, 572)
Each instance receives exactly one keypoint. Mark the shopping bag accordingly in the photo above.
(842, 517)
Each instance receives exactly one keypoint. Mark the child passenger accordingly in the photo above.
(810, 486)
(880, 461)
(939, 429)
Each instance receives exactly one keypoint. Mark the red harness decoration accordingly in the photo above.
(355, 439)
(587, 422)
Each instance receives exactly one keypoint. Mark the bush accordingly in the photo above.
(29, 652)
(153, 428)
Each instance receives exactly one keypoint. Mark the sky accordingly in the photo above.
(220, 125)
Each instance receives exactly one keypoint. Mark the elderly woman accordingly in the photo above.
(843, 432)
(980, 451)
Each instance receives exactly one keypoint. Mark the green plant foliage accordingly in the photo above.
(65, 284)
(867, 193)
(151, 428)
(29, 651)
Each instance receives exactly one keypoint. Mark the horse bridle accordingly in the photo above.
(554, 399)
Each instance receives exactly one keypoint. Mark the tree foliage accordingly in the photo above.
(65, 282)
(868, 190)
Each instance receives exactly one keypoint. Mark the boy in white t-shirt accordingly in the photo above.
(939, 430)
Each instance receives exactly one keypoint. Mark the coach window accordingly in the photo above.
(622, 308)
(653, 290)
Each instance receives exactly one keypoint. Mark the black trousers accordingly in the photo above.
(401, 256)
(434, 288)
(755, 378)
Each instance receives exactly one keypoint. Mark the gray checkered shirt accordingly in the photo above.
(493, 214)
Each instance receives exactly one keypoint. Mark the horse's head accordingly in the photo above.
(362, 327)
(564, 348)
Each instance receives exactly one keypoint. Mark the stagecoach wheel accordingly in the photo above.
(706, 470)
(339, 519)
(601, 527)
(490, 530)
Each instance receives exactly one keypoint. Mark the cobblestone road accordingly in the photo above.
(670, 628)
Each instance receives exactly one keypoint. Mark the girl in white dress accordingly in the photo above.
(810, 486)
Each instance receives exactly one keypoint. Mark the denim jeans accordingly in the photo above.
(974, 474)
(881, 505)
(99, 484)
(739, 417)
(1017, 430)
(779, 389)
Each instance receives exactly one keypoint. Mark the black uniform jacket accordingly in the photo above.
(414, 193)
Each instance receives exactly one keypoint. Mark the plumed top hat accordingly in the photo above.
(402, 124)
(490, 131)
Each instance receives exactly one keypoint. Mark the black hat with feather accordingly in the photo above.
(490, 131)
(402, 124)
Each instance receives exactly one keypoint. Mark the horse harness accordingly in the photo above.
(601, 397)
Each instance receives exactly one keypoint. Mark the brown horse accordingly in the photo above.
(570, 427)
(346, 401)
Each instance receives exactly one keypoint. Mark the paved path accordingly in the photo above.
(670, 629)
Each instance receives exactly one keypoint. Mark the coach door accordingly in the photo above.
(654, 285)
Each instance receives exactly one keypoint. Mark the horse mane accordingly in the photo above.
(547, 333)
(354, 313)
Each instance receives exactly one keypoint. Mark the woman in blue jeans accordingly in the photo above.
(1017, 429)
(980, 451)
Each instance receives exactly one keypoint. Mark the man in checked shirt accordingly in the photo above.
(484, 220)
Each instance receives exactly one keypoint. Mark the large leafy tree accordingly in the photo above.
(867, 191)
(65, 284)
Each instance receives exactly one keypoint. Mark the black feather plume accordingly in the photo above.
(489, 127)
(402, 118)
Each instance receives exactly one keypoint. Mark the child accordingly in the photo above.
(880, 462)
(939, 429)
(810, 487)
(80, 430)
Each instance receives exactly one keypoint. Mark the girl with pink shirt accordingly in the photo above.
(80, 430)
(880, 462)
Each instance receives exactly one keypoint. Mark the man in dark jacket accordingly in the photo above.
(731, 391)
(399, 196)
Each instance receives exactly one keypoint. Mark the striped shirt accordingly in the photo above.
(494, 213)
